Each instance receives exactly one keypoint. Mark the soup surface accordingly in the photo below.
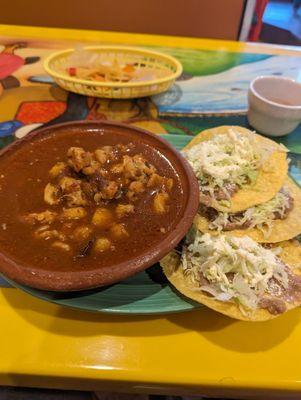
(80, 201)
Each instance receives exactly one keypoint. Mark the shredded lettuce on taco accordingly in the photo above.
(237, 276)
(235, 166)
(260, 216)
(276, 220)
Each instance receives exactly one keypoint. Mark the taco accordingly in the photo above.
(276, 220)
(237, 276)
(236, 168)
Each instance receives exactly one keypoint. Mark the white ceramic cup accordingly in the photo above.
(274, 105)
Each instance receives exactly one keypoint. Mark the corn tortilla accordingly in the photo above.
(270, 176)
(171, 264)
(282, 229)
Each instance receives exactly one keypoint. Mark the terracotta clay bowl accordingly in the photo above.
(43, 278)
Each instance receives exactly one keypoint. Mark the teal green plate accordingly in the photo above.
(146, 293)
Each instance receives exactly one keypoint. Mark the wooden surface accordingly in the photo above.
(199, 18)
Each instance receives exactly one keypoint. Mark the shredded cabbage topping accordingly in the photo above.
(232, 269)
(230, 158)
(260, 216)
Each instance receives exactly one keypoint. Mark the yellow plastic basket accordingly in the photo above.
(58, 62)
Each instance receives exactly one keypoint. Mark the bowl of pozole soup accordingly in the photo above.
(87, 204)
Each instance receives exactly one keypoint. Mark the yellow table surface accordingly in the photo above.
(199, 352)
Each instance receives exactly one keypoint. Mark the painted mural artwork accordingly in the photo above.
(224, 92)
(214, 83)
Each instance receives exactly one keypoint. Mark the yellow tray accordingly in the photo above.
(57, 62)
